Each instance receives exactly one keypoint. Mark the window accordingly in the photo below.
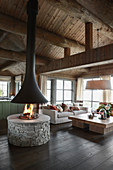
(60, 91)
(3, 89)
(91, 98)
(18, 86)
(64, 91)
(49, 91)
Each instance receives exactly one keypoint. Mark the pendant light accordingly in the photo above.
(98, 84)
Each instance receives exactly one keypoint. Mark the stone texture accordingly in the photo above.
(27, 133)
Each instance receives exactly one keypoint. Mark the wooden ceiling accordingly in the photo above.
(60, 24)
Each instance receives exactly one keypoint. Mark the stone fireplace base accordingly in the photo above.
(28, 133)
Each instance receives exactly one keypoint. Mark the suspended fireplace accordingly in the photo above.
(22, 132)
(30, 92)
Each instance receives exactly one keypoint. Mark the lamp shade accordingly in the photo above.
(98, 84)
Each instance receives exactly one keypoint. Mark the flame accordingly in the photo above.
(28, 110)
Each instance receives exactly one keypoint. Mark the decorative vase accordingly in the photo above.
(103, 113)
(108, 115)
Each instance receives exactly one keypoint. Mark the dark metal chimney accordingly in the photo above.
(30, 92)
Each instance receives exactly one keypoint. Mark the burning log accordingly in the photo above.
(28, 113)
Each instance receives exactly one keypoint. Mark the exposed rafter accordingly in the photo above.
(7, 65)
(19, 56)
(78, 11)
(6, 73)
(10, 24)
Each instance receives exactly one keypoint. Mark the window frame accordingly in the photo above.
(54, 91)
(63, 90)
(7, 90)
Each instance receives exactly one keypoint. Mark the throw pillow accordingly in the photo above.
(59, 108)
(76, 108)
(71, 108)
(48, 106)
(53, 107)
(65, 107)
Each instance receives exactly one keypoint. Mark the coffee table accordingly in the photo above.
(95, 124)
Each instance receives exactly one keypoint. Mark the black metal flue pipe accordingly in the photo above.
(30, 92)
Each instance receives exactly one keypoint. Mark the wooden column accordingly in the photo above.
(12, 86)
(88, 36)
(66, 52)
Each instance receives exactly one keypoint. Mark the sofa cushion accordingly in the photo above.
(74, 108)
(64, 114)
(78, 112)
(76, 104)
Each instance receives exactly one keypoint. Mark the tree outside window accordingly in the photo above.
(3, 89)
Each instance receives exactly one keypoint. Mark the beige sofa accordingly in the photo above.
(62, 117)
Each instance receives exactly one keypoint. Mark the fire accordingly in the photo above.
(28, 111)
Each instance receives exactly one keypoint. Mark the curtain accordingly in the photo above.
(106, 93)
(80, 89)
(42, 82)
(43, 85)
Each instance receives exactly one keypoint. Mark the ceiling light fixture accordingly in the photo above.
(98, 84)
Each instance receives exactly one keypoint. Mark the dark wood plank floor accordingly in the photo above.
(70, 148)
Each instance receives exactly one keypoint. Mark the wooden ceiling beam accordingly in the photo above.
(10, 24)
(19, 56)
(66, 76)
(88, 36)
(7, 65)
(95, 73)
(94, 57)
(67, 52)
(6, 73)
(75, 9)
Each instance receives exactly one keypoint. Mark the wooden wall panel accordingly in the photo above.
(82, 60)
